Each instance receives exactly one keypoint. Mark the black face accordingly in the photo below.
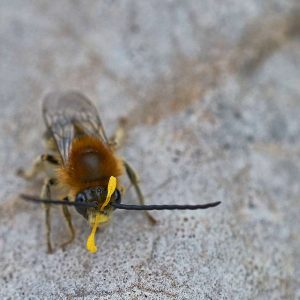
(94, 195)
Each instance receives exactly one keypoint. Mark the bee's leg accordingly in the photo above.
(117, 139)
(38, 166)
(133, 177)
(68, 218)
(48, 229)
(46, 194)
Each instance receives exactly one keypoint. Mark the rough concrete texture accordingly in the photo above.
(211, 93)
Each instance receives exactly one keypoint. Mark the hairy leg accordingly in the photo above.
(68, 218)
(133, 177)
(117, 139)
(38, 166)
(46, 194)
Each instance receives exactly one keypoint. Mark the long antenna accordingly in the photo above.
(120, 205)
(58, 202)
(164, 207)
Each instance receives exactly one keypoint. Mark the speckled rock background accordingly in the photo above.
(211, 92)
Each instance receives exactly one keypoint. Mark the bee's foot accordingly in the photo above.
(49, 249)
(20, 172)
(64, 245)
(151, 219)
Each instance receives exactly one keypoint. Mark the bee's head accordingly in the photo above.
(101, 212)
(96, 194)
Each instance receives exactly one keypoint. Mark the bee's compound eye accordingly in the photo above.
(117, 195)
(80, 198)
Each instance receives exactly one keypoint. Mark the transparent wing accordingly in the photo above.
(68, 115)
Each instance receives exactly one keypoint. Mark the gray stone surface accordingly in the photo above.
(211, 92)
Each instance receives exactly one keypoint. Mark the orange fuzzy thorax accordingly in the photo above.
(90, 164)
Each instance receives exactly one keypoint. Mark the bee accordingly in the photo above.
(81, 161)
